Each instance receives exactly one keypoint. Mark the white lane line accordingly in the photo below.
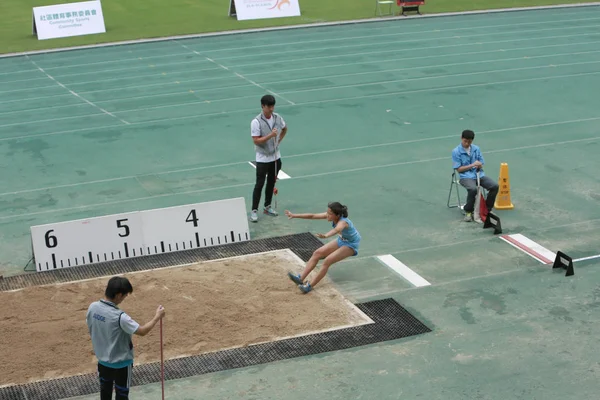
(337, 150)
(587, 258)
(404, 271)
(345, 171)
(75, 94)
(280, 175)
(238, 75)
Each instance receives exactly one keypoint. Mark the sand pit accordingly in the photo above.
(210, 306)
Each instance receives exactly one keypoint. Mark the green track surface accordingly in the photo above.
(374, 111)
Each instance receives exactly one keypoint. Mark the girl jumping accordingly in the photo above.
(345, 246)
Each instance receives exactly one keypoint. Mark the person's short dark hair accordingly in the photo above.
(468, 134)
(117, 285)
(267, 100)
(338, 209)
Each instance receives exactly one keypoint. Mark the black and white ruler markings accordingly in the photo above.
(139, 233)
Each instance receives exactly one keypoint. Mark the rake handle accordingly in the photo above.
(162, 363)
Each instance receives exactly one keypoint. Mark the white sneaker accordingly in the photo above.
(254, 216)
(269, 211)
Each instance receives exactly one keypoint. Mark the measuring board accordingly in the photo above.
(139, 233)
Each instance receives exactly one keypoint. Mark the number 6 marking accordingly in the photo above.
(51, 240)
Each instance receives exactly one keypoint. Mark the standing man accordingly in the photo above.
(467, 160)
(268, 130)
(111, 330)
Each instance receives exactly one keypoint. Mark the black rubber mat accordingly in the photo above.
(391, 322)
(302, 244)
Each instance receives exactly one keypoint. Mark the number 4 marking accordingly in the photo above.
(192, 218)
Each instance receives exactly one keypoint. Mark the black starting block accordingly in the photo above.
(493, 221)
(564, 261)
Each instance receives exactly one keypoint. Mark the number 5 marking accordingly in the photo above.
(121, 225)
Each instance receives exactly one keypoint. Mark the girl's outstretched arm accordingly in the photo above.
(339, 227)
(290, 215)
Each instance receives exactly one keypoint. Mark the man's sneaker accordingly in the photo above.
(254, 216)
(468, 217)
(305, 288)
(269, 211)
(295, 278)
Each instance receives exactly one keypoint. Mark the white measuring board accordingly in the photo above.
(195, 225)
(86, 241)
(139, 233)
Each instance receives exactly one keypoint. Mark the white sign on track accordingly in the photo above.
(262, 9)
(139, 233)
(64, 20)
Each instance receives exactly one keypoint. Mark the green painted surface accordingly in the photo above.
(372, 125)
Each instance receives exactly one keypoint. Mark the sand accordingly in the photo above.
(209, 306)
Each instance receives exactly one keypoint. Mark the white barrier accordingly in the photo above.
(63, 20)
(262, 9)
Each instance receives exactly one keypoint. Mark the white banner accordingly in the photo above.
(260, 9)
(63, 20)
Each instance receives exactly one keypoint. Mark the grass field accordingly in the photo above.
(136, 19)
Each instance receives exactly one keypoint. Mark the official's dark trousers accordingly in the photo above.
(119, 378)
(265, 171)
(471, 186)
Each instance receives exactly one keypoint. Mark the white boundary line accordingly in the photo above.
(348, 39)
(404, 271)
(391, 60)
(338, 87)
(315, 153)
(325, 88)
(587, 258)
(133, 54)
(83, 207)
(280, 175)
(74, 94)
(308, 34)
(237, 74)
(351, 54)
(301, 26)
(436, 39)
(403, 33)
(535, 250)
(341, 99)
(471, 241)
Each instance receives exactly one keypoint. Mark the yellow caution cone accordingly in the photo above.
(503, 201)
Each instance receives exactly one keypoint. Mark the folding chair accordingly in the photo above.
(379, 3)
(455, 183)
